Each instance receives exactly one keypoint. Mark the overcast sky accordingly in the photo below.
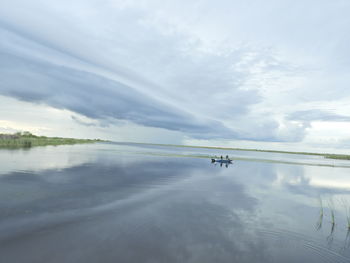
(262, 74)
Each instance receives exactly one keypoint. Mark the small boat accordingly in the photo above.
(221, 160)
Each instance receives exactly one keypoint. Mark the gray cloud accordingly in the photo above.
(155, 65)
(32, 78)
(85, 123)
(317, 115)
(91, 95)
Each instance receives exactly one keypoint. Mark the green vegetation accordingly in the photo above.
(325, 155)
(26, 140)
(337, 156)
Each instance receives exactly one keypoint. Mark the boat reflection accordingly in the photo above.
(226, 162)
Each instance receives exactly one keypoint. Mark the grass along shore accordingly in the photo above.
(26, 140)
(325, 155)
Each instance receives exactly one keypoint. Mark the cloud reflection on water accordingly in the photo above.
(134, 208)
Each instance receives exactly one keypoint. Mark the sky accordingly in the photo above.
(258, 74)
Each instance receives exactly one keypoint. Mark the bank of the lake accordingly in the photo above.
(26, 139)
(325, 155)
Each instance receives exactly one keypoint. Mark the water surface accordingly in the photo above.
(133, 203)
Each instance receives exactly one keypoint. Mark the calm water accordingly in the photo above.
(128, 203)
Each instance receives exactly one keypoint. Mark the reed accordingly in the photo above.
(332, 210)
(347, 213)
(320, 219)
(348, 217)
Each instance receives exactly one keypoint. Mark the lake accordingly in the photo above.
(119, 202)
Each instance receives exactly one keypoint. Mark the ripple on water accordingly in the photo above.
(313, 247)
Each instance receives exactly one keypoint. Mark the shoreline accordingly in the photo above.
(325, 155)
(27, 140)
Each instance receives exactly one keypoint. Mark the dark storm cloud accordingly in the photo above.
(92, 96)
(30, 72)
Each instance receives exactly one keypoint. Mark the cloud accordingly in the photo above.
(191, 80)
(208, 75)
(90, 95)
(317, 115)
(83, 122)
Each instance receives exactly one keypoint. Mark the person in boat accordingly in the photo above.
(227, 157)
(221, 157)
